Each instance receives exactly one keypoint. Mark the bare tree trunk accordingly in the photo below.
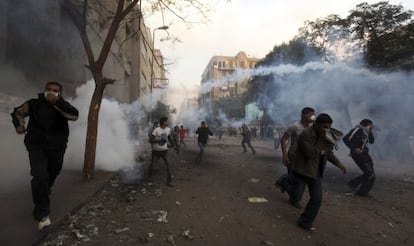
(92, 129)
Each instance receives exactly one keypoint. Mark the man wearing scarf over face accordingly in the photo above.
(357, 140)
(314, 149)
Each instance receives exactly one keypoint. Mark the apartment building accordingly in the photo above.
(213, 86)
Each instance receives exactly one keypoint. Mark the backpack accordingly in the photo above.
(347, 138)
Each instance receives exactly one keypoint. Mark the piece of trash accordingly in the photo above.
(158, 192)
(150, 234)
(117, 231)
(409, 180)
(257, 199)
(268, 243)
(390, 224)
(186, 234)
(162, 216)
(171, 240)
(221, 219)
(178, 203)
(254, 180)
(79, 235)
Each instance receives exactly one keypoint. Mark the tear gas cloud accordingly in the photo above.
(115, 147)
(347, 91)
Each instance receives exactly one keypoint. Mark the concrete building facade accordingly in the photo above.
(39, 39)
(224, 66)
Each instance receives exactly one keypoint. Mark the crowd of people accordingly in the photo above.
(306, 145)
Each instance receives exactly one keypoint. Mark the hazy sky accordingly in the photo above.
(241, 25)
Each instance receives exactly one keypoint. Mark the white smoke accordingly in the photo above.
(116, 148)
(348, 91)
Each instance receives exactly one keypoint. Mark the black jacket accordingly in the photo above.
(203, 133)
(48, 124)
(358, 140)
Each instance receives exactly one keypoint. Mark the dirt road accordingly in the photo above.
(209, 205)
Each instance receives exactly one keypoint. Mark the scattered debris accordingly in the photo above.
(79, 235)
(117, 231)
(268, 243)
(221, 219)
(162, 216)
(254, 180)
(186, 234)
(158, 192)
(257, 199)
(409, 180)
(390, 224)
(171, 240)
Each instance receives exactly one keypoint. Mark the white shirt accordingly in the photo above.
(160, 133)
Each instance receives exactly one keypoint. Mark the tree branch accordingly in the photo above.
(80, 23)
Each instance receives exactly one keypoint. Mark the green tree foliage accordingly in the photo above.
(162, 110)
(381, 32)
(386, 34)
(233, 107)
(321, 33)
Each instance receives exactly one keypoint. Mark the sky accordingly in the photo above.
(240, 25)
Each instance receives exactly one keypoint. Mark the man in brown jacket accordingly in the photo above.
(313, 151)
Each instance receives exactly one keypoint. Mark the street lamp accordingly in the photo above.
(152, 65)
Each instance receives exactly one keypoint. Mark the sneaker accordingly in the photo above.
(44, 222)
(304, 226)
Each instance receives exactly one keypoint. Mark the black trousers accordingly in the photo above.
(247, 141)
(45, 165)
(155, 156)
(363, 183)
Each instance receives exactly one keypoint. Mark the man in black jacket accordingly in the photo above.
(357, 140)
(203, 133)
(46, 137)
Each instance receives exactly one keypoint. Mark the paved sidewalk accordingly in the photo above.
(70, 192)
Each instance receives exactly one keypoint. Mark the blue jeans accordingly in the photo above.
(295, 189)
(202, 146)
